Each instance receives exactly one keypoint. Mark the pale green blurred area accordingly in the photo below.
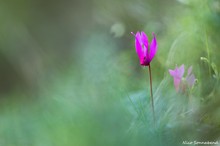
(70, 75)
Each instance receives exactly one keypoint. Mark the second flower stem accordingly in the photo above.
(151, 93)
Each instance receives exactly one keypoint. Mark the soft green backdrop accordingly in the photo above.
(70, 75)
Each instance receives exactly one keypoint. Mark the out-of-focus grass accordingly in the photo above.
(96, 93)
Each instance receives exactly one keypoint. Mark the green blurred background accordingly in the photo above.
(70, 75)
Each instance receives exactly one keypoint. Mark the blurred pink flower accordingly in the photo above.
(145, 50)
(181, 83)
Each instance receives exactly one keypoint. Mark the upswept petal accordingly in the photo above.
(172, 72)
(138, 48)
(144, 40)
(138, 36)
(176, 77)
(138, 44)
(190, 80)
(153, 47)
(181, 71)
(189, 70)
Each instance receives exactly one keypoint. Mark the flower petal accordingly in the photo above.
(176, 78)
(138, 48)
(138, 36)
(177, 83)
(181, 71)
(138, 44)
(153, 47)
(189, 70)
(190, 80)
(144, 40)
(172, 72)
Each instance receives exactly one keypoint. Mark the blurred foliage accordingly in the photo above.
(70, 74)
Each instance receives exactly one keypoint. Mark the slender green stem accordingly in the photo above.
(151, 93)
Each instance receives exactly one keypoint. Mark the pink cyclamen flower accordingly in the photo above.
(181, 83)
(145, 50)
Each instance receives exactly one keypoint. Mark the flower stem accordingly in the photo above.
(151, 93)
